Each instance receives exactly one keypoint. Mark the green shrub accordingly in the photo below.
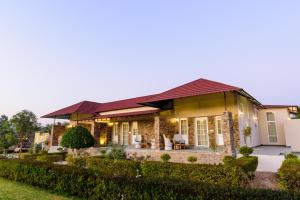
(76, 161)
(247, 164)
(51, 158)
(246, 151)
(291, 156)
(192, 159)
(212, 174)
(289, 175)
(86, 184)
(117, 153)
(165, 157)
(113, 167)
(29, 156)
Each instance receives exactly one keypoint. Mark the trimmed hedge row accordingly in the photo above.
(289, 174)
(128, 168)
(84, 183)
(51, 158)
(44, 157)
(211, 174)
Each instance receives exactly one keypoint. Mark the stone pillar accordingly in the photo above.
(157, 135)
(228, 131)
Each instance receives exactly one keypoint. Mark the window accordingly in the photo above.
(125, 133)
(202, 132)
(272, 127)
(219, 125)
(116, 128)
(183, 126)
(135, 129)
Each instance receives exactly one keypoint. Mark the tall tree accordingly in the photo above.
(7, 134)
(25, 123)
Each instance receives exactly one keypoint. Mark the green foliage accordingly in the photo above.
(165, 157)
(192, 159)
(290, 156)
(246, 151)
(247, 164)
(50, 158)
(77, 138)
(247, 131)
(117, 153)
(289, 175)
(113, 167)
(7, 134)
(212, 174)
(76, 162)
(86, 184)
(103, 152)
(29, 156)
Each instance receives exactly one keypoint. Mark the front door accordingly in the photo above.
(125, 133)
(219, 131)
(202, 139)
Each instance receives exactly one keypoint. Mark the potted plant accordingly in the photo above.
(247, 133)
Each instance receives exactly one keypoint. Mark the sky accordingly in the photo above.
(56, 53)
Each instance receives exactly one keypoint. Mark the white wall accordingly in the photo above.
(292, 134)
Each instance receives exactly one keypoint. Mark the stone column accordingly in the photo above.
(157, 133)
(228, 131)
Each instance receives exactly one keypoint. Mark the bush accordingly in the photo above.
(289, 175)
(192, 159)
(165, 157)
(246, 151)
(29, 156)
(113, 167)
(76, 161)
(247, 164)
(86, 185)
(77, 138)
(117, 153)
(212, 174)
(291, 156)
(51, 158)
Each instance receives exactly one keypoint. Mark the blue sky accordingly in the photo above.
(55, 53)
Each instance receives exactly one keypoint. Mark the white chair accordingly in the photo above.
(168, 143)
(137, 141)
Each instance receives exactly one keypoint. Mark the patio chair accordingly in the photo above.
(168, 143)
(179, 141)
(137, 141)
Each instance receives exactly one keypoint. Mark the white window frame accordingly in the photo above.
(187, 126)
(216, 125)
(127, 123)
(135, 123)
(268, 127)
(196, 133)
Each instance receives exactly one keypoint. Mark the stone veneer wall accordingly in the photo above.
(57, 131)
(236, 131)
(211, 131)
(146, 129)
(228, 131)
(191, 129)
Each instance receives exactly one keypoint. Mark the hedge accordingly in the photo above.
(247, 164)
(85, 184)
(289, 174)
(51, 158)
(212, 174)
(30, 156)
(128, 168)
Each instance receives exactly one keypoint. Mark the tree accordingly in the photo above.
(247, 133)
(77, 138)
(7, 134)
(25, 123)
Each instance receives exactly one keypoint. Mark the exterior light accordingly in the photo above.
(102, 141)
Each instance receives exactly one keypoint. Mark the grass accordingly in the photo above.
(10, 190)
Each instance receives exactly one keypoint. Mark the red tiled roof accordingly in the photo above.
(279, 106)
(123, 104)
(194, 88)
(84, 107)
(130, 114)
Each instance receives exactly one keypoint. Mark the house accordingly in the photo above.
(202, 118)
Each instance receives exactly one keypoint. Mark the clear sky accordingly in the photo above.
(55, 53)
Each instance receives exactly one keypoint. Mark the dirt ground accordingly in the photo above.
(265, 180)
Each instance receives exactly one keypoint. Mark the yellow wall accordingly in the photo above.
(281, 115)
(207, 105)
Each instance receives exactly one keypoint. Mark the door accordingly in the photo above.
(202, 139)
(125, 133)
(219, 131)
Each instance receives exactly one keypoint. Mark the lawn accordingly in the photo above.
(10, 190)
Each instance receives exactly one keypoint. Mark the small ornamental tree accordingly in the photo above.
(77, 138)
(247, 133)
